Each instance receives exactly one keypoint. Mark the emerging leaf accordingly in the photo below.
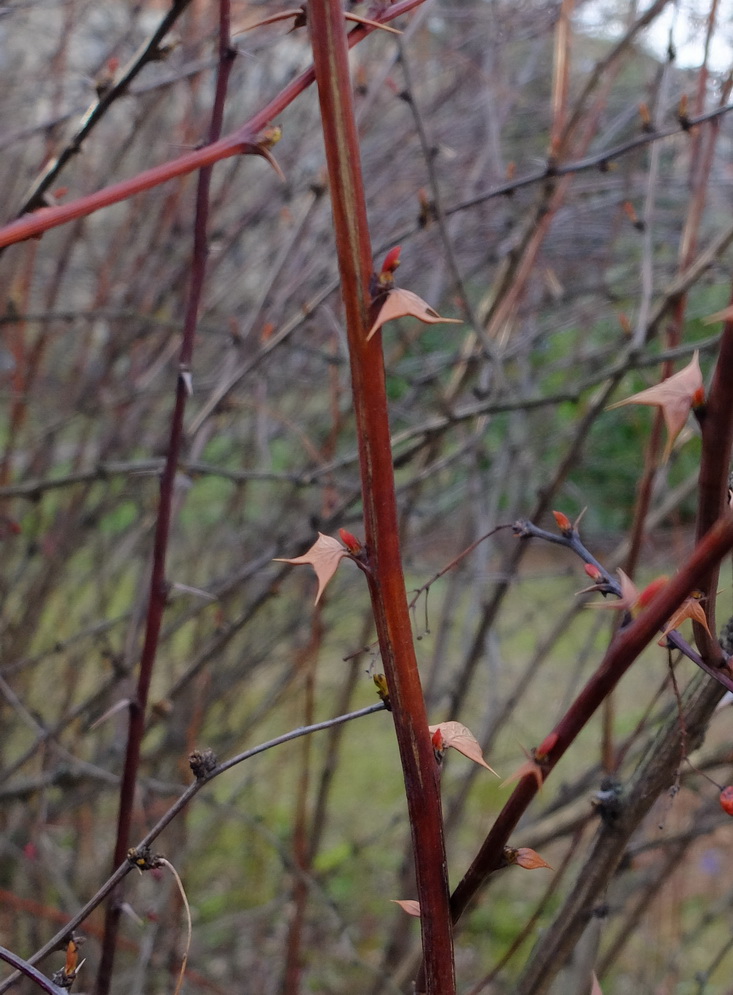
(690, 608)
(324, 556)
(400, 303)
(460, 738)
(563, 522)
(382, 690)
(390, 264)
(676, 396)
(72, 958)
(548, 743)
(439, 746)
(649, 593)
(411, 907)
(351, 542)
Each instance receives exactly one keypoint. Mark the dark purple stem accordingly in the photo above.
(158, 584)
(31, 972)
(717, 440)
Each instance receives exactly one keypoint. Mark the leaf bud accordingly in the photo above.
(563, 523)
(726, 799)
(354, 545)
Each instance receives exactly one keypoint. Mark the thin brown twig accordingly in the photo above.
(178, 806)
(594, 160)
(243, 141)
(158, 596)
(149, 51)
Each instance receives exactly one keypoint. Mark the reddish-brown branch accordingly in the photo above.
(176, 808)
(715, 460)
(243, 141)
(620, 656)
(148, 52)
(386, 581)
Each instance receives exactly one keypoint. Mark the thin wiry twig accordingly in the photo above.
(181, 802)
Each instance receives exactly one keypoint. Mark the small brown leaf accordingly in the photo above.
(529, 859)
(72, 958)
(632, 600)
(324, 556)
(411, 907)
(400, 303)
(690, 608)
(629, 595)
(676, 396)
(462, 739)
(530, 768)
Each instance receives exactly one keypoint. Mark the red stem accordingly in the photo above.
(239, 142)
(386, 581)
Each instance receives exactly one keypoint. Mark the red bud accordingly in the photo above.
(726, 799)
(651, 590)
(547, 744)
(392, 260)
(563, 522)
(351, 542)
